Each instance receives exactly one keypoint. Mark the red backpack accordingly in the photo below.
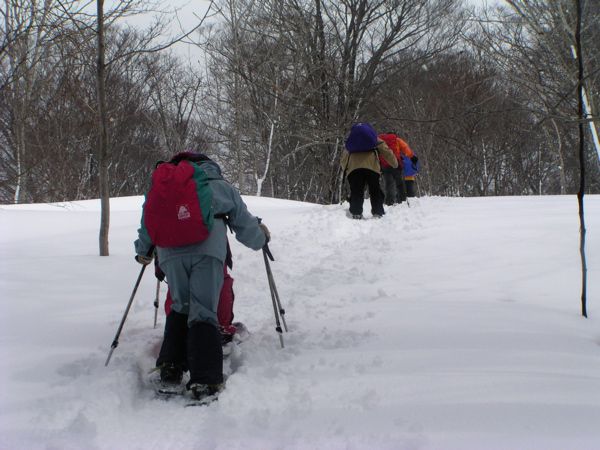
(178, 206)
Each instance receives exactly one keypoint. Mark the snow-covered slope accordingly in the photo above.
(452, 324)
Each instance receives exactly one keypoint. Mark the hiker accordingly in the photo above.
(392, 176)
(411, 168)
(361, 167)
(405, 152)
(187, 195)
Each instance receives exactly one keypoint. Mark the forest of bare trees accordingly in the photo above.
(486, 98)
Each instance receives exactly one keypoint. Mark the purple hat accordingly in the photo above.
(362, 138)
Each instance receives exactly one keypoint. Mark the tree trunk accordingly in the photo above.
(20, 145)
(580, 194)
(102, 136)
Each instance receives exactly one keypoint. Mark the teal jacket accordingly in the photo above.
(226, 200)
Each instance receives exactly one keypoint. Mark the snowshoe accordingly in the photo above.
(167, 380)
(166, 390)
(169, 390)
(205, 401)
(204, 394)
(200, 390)
(171, 374)
(354, 216)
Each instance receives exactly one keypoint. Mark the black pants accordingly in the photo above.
(174, 346)
(410, 188)
(205, 354)
(357, 179)
(393, 185)
(197, 348)
(401, 193)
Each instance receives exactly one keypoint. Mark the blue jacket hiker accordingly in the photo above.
(195, 271)
(410, 171)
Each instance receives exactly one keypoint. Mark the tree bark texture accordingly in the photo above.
(581, 193)
(103, 157)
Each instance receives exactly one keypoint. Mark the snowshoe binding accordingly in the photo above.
(170, 381)
(204, 394)
(171, 373)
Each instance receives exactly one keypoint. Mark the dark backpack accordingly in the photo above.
(178, 206)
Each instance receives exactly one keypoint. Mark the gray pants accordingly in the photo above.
(393, 186)
(195, 283)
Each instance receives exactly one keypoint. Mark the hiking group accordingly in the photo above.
(368, 158)
(184, 230)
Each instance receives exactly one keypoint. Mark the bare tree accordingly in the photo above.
(582, 113)
(30, 30)
(299, 72)
(146, 45)
(552, 37)
(533, 45)
(553, 28)
(103, 158)
(283, 81)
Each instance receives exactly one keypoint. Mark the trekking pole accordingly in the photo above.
(277, 308)
(156, 301)
(115, 342)
(274, 288)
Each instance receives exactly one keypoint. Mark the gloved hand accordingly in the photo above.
(265, 230)
(143, 260)
(414, 161)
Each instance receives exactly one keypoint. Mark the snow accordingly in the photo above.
(449, 324)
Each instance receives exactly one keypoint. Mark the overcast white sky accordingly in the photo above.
(187, 13)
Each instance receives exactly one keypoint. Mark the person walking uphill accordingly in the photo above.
(361, 165)
(407, 156)
(393, 185)
(184, 219)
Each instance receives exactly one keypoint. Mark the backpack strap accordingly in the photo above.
(225, 218)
